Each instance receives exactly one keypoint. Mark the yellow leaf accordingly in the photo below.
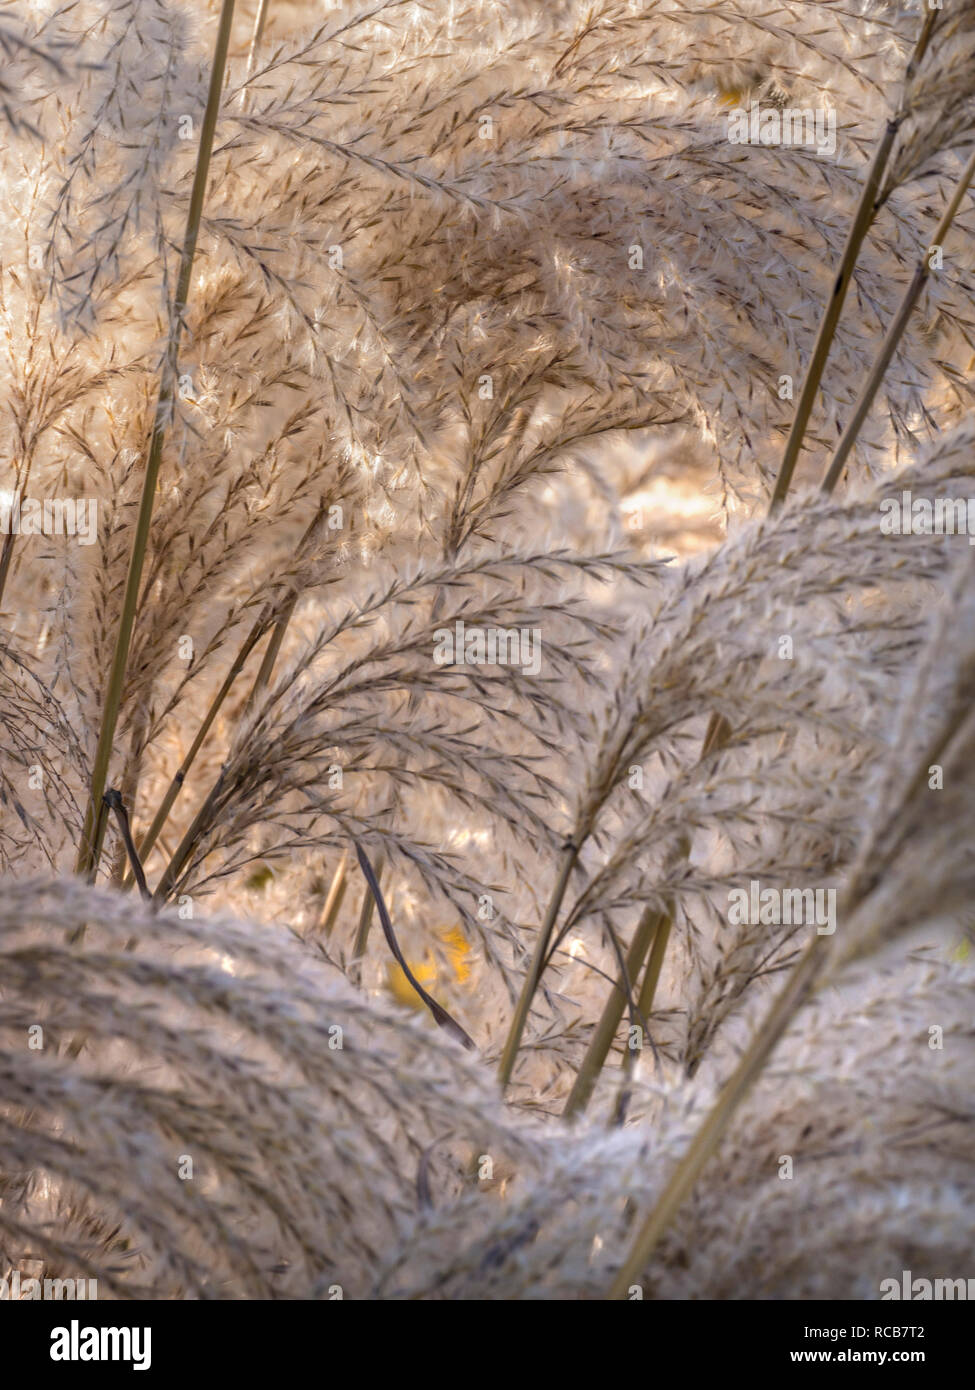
(458, 952)
(458, 968)
(400, 987)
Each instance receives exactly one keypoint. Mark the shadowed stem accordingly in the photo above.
(895, 332)
(187, 844)
(654, 927)
(113, 800)
(93, 833)
(272, 650)
(336, 891)
(7, 553)
(441, 1017)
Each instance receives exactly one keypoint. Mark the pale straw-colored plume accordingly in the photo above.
(419, 375)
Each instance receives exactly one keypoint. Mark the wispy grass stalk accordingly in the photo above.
(609, 1020)
(179, 777)
(569, 855)
(648, 993)
(895, 332)
(442, 1018)
(93, 831)
(718, 729)
(258, 629)
(866, 213)
(707, 1138)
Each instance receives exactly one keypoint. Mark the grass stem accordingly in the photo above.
(895, 332)
(93, 831)
(870, 202)
(570, 853)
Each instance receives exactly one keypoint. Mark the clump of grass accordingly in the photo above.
(347, 329)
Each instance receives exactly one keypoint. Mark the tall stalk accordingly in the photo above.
(803, 978)
(365, 918)
(648, 992)
(654, 929)
(335, 896)
(866, 213)
(93, 832)
(570, 853)
(257, 631)
(609, 1021)
(272, 650)
(7, 551)
(260, 20)
(179, 777)
(895, 332)
(718, 730)
(187, 844)
(684, 1176)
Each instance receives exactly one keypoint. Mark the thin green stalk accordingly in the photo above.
(93, 833)
(869, 205)
(895, 332)
(569, 855)
(865, 214)
(7, 553)
(185, 848)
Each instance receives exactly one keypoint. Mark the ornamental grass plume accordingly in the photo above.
(392, 404)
